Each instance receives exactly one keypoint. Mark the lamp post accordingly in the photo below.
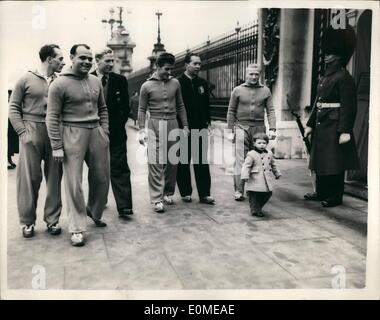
(237, 29)
(120, 41)
(158, 47)
(111, 21)
(158, 14)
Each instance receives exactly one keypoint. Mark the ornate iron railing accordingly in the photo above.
(224, 60)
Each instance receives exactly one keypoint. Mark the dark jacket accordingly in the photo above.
(328, 157)
(195, 94)
(117, 102)
(134, 104)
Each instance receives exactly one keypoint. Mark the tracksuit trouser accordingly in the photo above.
(34, 149)
(162, 163)
(243, 144)
(90, 145)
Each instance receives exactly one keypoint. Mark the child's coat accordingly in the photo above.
(260, 170)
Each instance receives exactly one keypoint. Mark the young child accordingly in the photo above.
(257, 170)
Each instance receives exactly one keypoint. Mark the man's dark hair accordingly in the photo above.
(165, 58)
(189, 55)
(48, 51)
(261, 136)
(74, 48)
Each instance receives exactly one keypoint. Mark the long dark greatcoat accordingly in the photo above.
(328, 157)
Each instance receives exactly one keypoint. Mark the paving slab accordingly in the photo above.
(90, 275)
(29, 276)
(46, 250)
(316, 257)
(198, 246)
(353, 233)
(203, 262)
(267, 231)
(350, 280)
(146, 270)
(312, 210)
(121, 245)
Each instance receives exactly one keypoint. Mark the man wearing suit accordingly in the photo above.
(195, 93)
(117, 100)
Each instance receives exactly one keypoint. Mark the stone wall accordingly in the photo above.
(294, 79)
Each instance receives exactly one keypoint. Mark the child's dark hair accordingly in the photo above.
(261, 136)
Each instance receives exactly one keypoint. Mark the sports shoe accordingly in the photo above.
(77, 239)
(54, 229)
(207, 200)
(186, 198)
(239, 196)
(168, 200)
(159, 207)
(28, 231)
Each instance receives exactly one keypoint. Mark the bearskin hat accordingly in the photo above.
(340, 42)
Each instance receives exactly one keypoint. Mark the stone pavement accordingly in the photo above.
(197, 246)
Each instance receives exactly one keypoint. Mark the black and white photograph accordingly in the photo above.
(190, 149)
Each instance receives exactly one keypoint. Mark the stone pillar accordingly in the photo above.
(294, 78)
(122, 46)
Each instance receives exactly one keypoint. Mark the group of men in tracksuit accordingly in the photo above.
(65, 121)
(80, 117)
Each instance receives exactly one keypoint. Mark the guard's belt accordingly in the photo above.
(322, 105)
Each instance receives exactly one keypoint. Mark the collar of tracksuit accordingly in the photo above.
(70, 73)
(155, 77)
(39, 74)
(257, 85)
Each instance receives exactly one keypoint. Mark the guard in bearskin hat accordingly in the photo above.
(332, 120)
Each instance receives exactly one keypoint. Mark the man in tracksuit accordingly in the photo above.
(245, 117)
(161, 96)
(27, 111)
(76, 101)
